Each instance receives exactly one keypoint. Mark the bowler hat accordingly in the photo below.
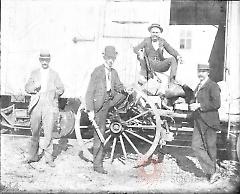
(155, 25)
(44, 54)
(110, 51)
(203, 67)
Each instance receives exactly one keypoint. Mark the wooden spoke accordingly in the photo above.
(108, 138)
(113, 148)
(107, 131)
(123, 146)
(141, 114)
(83, 127)
(142, 126)
(140, 137)
(131, 143)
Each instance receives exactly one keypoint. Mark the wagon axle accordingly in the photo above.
(116, 127)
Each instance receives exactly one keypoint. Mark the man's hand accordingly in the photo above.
(179, 59)
(194, 106)
(129, 90)
(91, 115)
(141, 54)
(37, 86)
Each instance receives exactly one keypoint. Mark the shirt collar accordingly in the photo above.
(44, 70)
(106, 67)
(204, 81)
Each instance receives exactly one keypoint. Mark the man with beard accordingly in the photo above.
(206, 122)
(152, 47)
(46, 87)
(105, 90)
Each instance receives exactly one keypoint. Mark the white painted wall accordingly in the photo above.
(27, 26)
(31, 25)
(232, 62)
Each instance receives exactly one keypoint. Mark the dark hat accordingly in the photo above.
(110, 51)
(155, 25)
(203, 67)
(44, 54)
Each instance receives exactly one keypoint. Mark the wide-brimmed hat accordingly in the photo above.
(110, 51)
(203, 67)
(155, 25)
(44, 54)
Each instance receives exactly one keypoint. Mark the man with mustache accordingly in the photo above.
(45, 87)
(152, 47)
(206, 122)
(105, 90)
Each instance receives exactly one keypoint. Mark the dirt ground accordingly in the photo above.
(176, 171)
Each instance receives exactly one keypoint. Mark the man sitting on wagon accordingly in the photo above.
(150, 54)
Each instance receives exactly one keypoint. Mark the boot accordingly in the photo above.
(33, 152)
(50, 163)
(99, 169)
(49, 159)
(31, 159)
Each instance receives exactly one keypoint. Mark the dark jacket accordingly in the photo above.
(209, 98)
(151, 52)
(97, 91)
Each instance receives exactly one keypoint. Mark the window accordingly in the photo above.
(185, 39)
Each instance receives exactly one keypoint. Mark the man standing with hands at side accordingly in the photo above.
(105, 90)
(206, 122)
(45, 87)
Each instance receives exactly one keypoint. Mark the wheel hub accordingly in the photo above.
(116, 127)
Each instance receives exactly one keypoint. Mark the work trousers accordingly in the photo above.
(100, 118)
(160, 66)
(45, 115)
(207, 159)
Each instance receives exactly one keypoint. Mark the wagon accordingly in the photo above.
(143, 123)
(134, 129)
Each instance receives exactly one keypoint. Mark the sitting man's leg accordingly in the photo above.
(117, 100)
(144, 71)
(163, 66)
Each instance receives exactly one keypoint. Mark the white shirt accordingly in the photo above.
(155, 45)
(108, 77)
(44, 79)
(201, 84)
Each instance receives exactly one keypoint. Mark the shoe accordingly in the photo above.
(100, 170)
(51, 164)
(32, 159)
(212, 178)
(208, 176)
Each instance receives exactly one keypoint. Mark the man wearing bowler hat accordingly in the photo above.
(206, 122)
(104, 91)
(152, 47)
(45, 87)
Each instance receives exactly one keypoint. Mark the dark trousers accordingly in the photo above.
(160, 66)
(206, 159)
(45, 115)
(100, 118)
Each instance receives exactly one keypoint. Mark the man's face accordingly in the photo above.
(202, 74)
(109, 60)
(44, 62)
(155, 33)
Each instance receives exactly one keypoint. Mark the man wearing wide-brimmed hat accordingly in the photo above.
(206, 122)
(45, 87)
(152, 47)
(104, 91)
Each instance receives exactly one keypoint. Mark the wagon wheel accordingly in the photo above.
(132, 134)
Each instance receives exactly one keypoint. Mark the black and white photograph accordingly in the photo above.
(120, 96)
